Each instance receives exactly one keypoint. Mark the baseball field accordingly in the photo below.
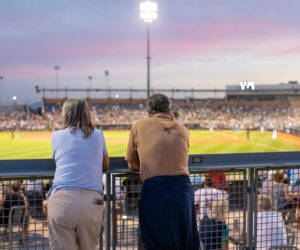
(37, 145)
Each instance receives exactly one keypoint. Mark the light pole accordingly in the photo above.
(148, 12)
(56, 68)
(1, 79)
(106, 73)
(90, 85)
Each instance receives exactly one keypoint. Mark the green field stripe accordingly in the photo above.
(26, 155)
(29, 149)
(244, 148)
(259, 142)
(204, 148)
(225, 148)
(25, 151)
(202, 134)
(33, 154)
(116, 150)
(4, 156)
(116, 135)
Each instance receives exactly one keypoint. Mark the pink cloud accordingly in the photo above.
(172, 40)
(218, 37)
(290, 52)
(24, 71)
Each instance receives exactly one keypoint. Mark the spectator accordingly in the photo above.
(2, 198)
(270, 226)
(205, 196)
(219, 179)
(202, 114)
(75, 201)
(33, 192)
(34, 186)
(166, 208)
(14, 198)
(294, 175)
(267, 182)
(46, 189)
(280, 192)
(213, 229)
(6, 187)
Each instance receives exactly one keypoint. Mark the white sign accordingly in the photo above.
(247, 85)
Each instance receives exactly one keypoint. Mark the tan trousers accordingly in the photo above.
(74, 220)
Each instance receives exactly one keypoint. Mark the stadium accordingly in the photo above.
(216, 125)
(230, 71)
(228, 125)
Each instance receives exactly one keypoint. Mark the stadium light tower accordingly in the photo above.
(56, 68)
(90, 81)
(90, 78)
(148, 12)
(106, 73)
(1, 79)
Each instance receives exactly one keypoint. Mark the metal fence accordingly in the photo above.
(23, 212)
(242, 201)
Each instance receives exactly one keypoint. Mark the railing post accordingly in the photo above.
(114, 215)
(108, 217)
(250, 199)
(245, 188)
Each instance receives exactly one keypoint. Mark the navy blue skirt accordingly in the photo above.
(167, 214)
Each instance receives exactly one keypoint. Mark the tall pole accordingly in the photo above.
(148, 59)
(89, 86)
(106, 73)
(90, 81)
(148, 12)
(56, 67)
(1, 78)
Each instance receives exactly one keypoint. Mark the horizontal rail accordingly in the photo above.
(46, 167)
(124, 90)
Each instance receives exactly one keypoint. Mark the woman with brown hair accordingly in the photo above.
(75, 201)
(280, 191)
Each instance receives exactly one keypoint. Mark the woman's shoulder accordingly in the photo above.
(60, 132)
(98, 132)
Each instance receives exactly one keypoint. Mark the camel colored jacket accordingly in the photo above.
(160, 145)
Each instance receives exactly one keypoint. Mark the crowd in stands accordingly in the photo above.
(205, 114)
(217, 227)
(29, 194)
(277, 201)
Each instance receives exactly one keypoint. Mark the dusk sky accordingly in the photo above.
(194, 44)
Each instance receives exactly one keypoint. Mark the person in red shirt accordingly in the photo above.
(219, 179)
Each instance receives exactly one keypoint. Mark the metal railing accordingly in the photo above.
(237, 181)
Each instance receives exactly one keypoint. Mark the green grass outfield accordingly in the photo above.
(36, 145)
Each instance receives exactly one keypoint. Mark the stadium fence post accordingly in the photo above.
(114, 216)
(250, 207)
(108, 207)
(245, 208)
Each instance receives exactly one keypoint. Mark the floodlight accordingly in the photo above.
(148, 11)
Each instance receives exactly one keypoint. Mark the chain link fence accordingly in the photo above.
(236, 208)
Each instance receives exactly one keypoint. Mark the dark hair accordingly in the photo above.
(15, 187)
(278, 176)
(209, 182)
(264, 202)
(76, 114)
(158, 103)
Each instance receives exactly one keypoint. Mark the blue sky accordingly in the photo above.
(194, 44)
